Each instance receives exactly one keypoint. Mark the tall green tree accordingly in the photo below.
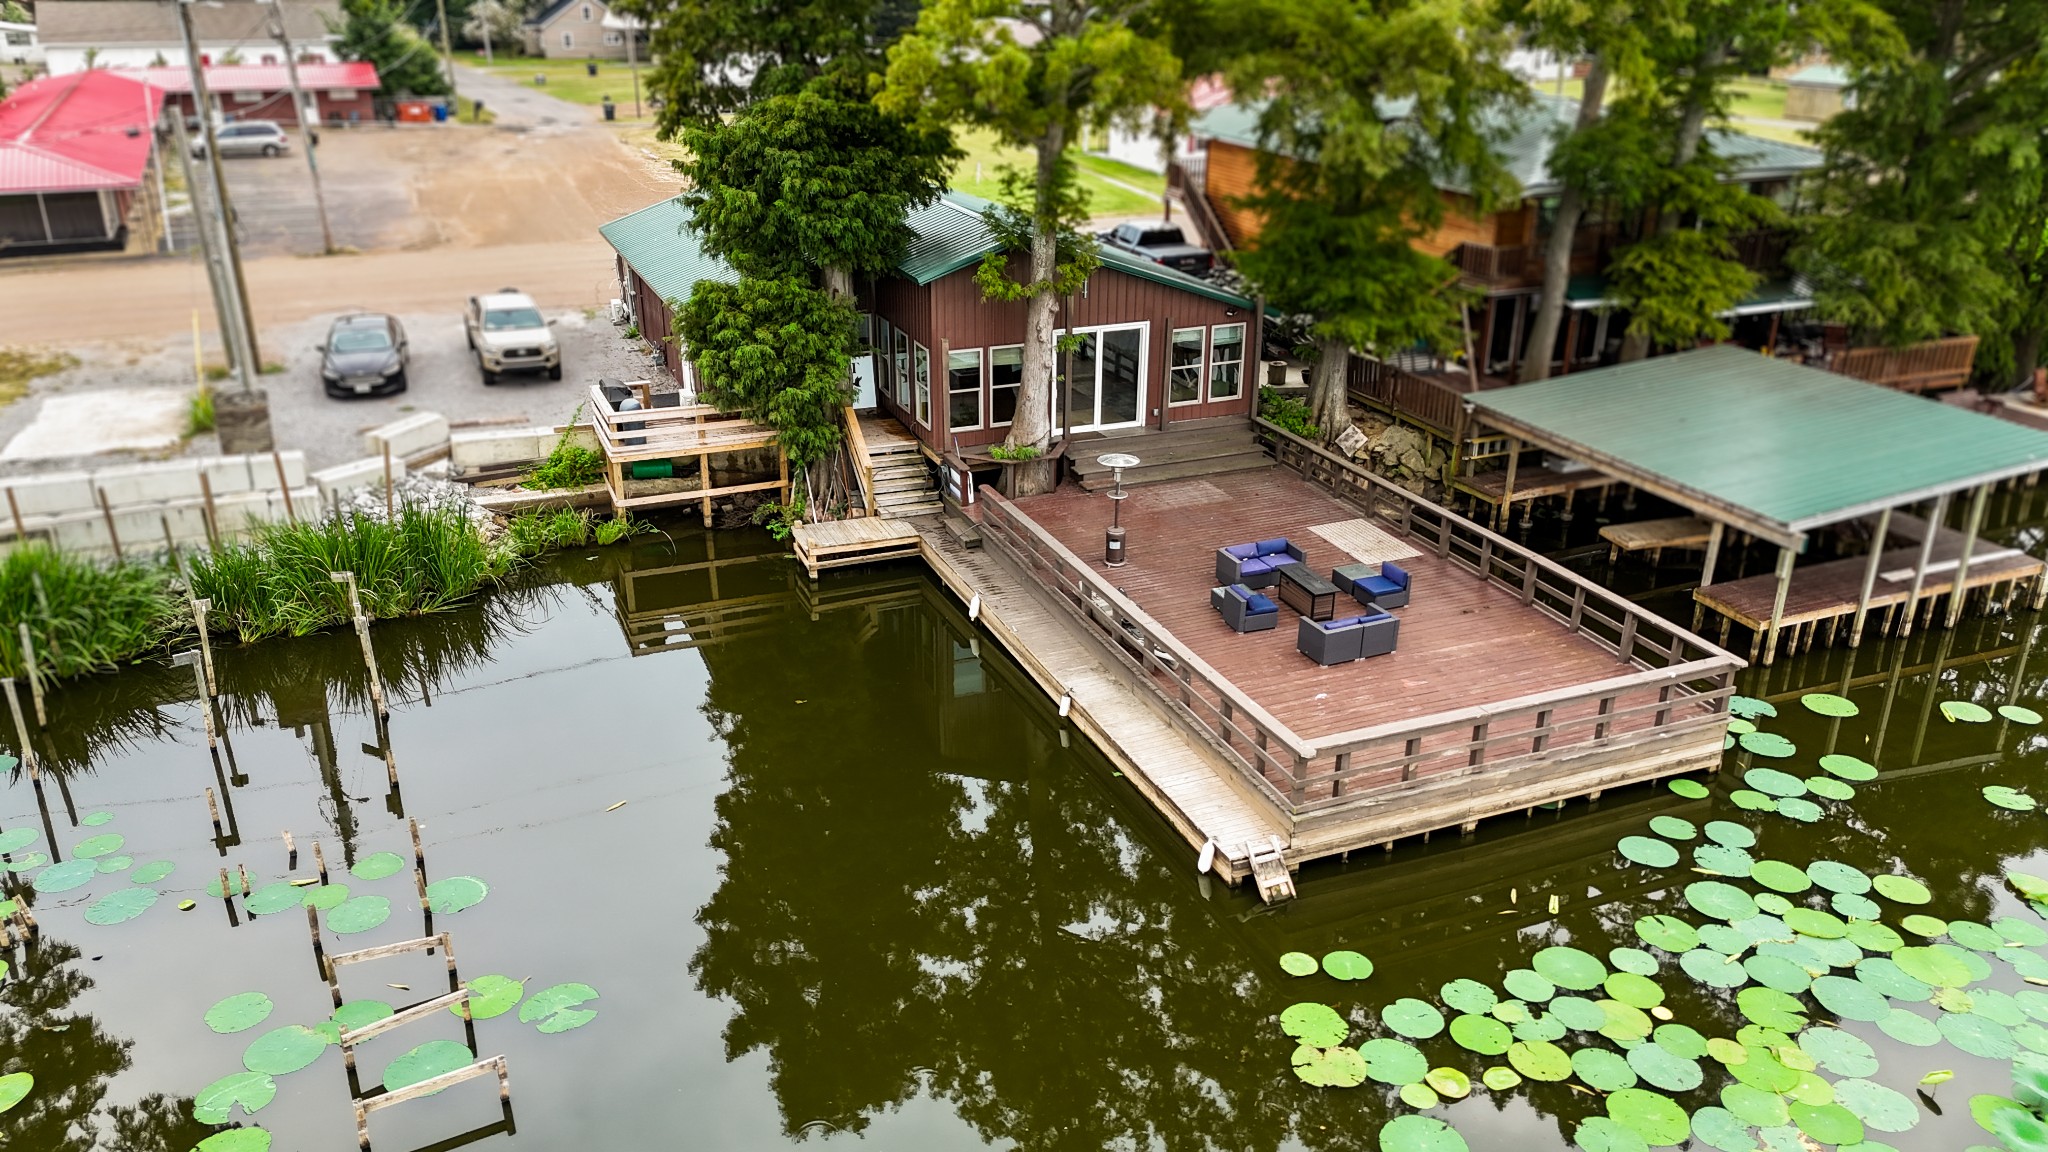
(1037, 72)
(376, 31)
(1371, 108)
(714, 57)
(1929, 206)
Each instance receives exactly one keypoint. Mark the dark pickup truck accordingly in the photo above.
(1161, 244)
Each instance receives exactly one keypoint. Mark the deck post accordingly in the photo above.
(1920, 569)
(1785, 555)
(1713, 553)
(1877, 538)
(1507, 492)
(1959, 590)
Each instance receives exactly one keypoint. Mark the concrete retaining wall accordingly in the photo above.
(499, 448)
(146, 508)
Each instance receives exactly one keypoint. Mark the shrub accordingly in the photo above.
(200, 418)
(82, 616)
(568, 465)
(532, 533)
(780, 519)
(1014, 452)
(1293, 415)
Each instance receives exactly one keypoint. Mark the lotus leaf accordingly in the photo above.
(1851, 999)
(1800, 809)
(431, 1059)
(1909, 1027)
(1766, 744)
(1829, 788)
(2021, 932)
(554, 1008)
(238, 1012)
(1632, 960)
(1419, 1096)
(452, 894)
(328, 897)
(28, 863)
(1448, 1083)
(358, 914)
(1964, 711)
(1771, 1008)
(1528, 985)
(1468, 996)
(273, 898)
(1690, 789)
(1420, 1134)
(1623, 1022)
(1857, 908)
(1345, 964)
(123, 904)
(15, 839)
(1666, 932)
(1656, 1118)
(1716, 1127)
(1878, 1107)
(1828, 704)
(216, 1102)
(1720, 900)
(1721, 860)
(112, 864)
(1749, 799)
(1750, 708)
(1540, 1060)
(1828, 1123)
(378, 865)
(1813, 922)
(362, 1013)
(1665, 1069)
(1569, 967)
(66, 876)
(1934, 965)
(1754, 1105)
(1600, 1069)
(1777, 972)
(1322, 1067)
(2010, 798)
(1387, 1060)
(1415, 1019)
(283, 1050)
(1901, 889)
(1310, 1023)
(2020, 1131)
(1298, 964)
(1780, 876)
(2018, 714)
(1510, 1012)
(1978, 1036)
(1579, 1014)
(1634, 991)
(1713, 969)
(1500, 1079)
(1648, 851)
(1481, 1034)
(14, 1087)
(1848, 767)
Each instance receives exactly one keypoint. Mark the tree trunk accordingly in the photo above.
(1328, 401)
(2026, 356)
(838, 282)
(1033, 423)
(1699, 101)
(1557, 250)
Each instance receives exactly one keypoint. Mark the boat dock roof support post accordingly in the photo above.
(1877, 538)
(1713, 553)
(1786, 553)
(1959, 591)
(1920, 569)
(1507, 492)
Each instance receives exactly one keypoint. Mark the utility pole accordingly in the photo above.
(633, 60)
(203, 101)
(209, 247)
(308, 116)
(447, 51)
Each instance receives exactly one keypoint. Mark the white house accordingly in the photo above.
(81, 34)
(18, 44)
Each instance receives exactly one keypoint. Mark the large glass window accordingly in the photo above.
(1226, 361)
(924, 386)
(885, 379)
(902, 369)
(1184, 385)
(1005, 376)
(963, 389)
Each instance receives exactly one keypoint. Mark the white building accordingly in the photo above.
(18, 44)
(81, 34)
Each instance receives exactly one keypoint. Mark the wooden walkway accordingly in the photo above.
(1183, 778)
(846, 543)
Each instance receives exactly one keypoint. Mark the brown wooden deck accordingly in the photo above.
(1463, 641)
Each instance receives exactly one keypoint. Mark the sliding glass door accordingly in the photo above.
(1103, 379)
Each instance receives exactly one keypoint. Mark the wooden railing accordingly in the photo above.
(1762, 250)
(650, 433)
(1490, 265)
(1187, 180)
(1669, 682)
(1924, 367)
(1405, 395)
(863, 468)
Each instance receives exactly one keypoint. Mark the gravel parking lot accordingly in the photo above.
(443, 378)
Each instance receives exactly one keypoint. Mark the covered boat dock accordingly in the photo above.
(1778, 451)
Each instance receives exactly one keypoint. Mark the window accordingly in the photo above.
(902, 369)
(1184, 385)
(963, 389)
(924, 386)
(248, 97)
(269, 60)
(1005, 376)
(884, 379)
(613, 39)
(334, 94)
(1226, 361)
(568, 39)
(586, 13)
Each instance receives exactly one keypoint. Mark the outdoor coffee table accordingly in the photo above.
(1307, 593)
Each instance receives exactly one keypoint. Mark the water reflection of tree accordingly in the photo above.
(908, 907)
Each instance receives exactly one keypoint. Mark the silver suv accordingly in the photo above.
(247, 138)
(507, 333)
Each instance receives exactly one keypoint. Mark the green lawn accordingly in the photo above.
(1763, 99)
(569, 79)
(1113, 189)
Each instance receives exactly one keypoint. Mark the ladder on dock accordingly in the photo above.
(1269, 870)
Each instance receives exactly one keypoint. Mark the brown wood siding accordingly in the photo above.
(657, 324)
(1233, 173)
(952, 315)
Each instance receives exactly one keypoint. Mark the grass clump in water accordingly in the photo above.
(532, 533)
(83, 617)
(277, 582)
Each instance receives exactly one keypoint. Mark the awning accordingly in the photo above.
(1589, 294)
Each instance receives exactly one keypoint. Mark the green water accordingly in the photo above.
(864, 885)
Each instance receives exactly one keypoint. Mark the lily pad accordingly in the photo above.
(15, 839)
(1540, 1060)
(1768, 744)
(1754, 1105)
(93, 847)
(358, 1014)
(1448, 1083)
(1632, 960)
(1978, 1036)
(14, 1087)
(1750, 708)
(1579, 1014)
(1815, 923)
(238, 1012)
(1901, 889)
(2009, 798)
(111, 864)
(1886, 978)
(1673, 828)
(359, 914)
(1648, 851)
(1500, 1079)
(1923, 925)
(1666, 932)
(1859, 909)
(1772, 782)
(1799, 808)
(1468, 996)
(1392, 1061)
(327, 897)
(1663, 1068)
(122, 904)
(95, 819)
(1851, 999)
(1322, 1067)
(1731, 834)
(1780, 876)
(2018, 714)
(1908, 1027)
(1298, 964)
(66, 876)
(236, 1140)
(1690, 789)
(1719, 1128)
(1828, 1123)
(272, 898)
(1848, 767)
(1602, 1070)
(1777, 972)
(283, 1050)
(1656, 1118)
(1843, 1053)
(1345, 964)
(1829, 788)
(1415, 1019)
(378, 865)
(216, 1102)
(434, 1058)
(1722, 860)
(1829, 704)
(452, 894)
(1838, 877)
(1751, 800)
(1877, 1106)
(1569, 967)
(1481, 1034)
(1720, 900)
(1309, 1022)
(1934, 964)
(1604, 1134)
(1420, 1134)
(1528, 985)
(1713, 969)
(1634, 991)
(1964, 711)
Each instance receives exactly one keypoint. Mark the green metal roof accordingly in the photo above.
(662, 250)
(949, 235)
(1526, 135)
(1776, 447)
(1587, 292)
(1820, 76)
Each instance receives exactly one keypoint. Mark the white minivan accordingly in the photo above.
(247, 138)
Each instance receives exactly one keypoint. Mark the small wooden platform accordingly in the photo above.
(845, 543)
(1654, 536)
(1530, 484)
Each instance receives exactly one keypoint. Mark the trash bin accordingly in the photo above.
(590, 68)
(440, 113)
(610, 109)
(540, 79)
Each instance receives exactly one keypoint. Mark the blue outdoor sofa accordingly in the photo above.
(1243, 609)
(1389, 589)
(1329, 642)
(1254, 565)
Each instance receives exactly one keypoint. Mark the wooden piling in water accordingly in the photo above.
(291, 852)
(320, 861)
(200, 607)
(35, 676)
(419, 867)
(355, 609)
(205, 700)
(213, 811)
(284, 485)
(28, 754)
(243, 871)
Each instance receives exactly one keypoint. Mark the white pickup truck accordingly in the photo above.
(507, 333)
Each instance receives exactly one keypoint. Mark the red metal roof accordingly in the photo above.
(80, 132)
(360, 75)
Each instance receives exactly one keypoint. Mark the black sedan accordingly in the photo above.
(365, 355)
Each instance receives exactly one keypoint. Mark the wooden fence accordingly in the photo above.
(1404, 395)
(1927, 367)
(1670, 686)
(1491, 265)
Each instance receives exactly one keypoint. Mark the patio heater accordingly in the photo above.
(1113, 544)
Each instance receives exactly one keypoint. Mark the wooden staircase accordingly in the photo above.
(896, 468)
(1197, 448)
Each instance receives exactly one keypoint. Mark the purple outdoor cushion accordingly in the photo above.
(1258, 603)
(1278, 545)
(1242, 551)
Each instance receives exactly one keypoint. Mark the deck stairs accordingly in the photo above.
(1197, 448)
(902, 479)
(1269, 870)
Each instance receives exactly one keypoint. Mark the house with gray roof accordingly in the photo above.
(580, 30)
(1500, 254)
(81, 34)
